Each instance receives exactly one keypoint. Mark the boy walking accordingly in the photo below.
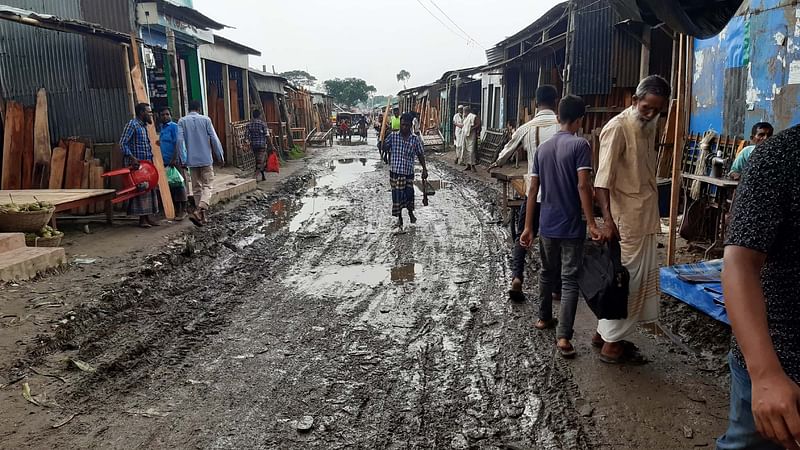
(562, 170)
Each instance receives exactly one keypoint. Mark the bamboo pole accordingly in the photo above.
(677, 151)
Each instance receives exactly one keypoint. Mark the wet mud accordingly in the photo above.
(300, 319)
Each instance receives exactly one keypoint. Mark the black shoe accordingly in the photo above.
(412, 217)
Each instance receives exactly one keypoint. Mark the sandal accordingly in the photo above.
(597, 341)
(196, 219)
(516, 296)
(546, 324)
(567, 353)
(627, 357)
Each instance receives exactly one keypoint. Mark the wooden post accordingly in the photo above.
(677, 151)
(226, 95)
(644, 64)
(128, 85)
(175, 91)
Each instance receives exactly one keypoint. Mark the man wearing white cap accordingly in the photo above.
(458, 124)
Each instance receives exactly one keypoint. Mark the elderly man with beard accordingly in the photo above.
(626, 189)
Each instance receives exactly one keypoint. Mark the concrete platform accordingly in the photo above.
(228, 186)
(18, 262)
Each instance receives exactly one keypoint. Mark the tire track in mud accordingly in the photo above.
(386, 340)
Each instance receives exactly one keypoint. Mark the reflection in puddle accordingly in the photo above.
(313, 209)
(345, 172)
(405, 273)
(371, 275)
(249, 240)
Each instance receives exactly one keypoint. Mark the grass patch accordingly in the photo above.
(296, 153)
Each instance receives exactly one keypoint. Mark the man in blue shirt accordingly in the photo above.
(168, 140)
(562, 169)
(403, 147)
(761, 132)
(200, 138)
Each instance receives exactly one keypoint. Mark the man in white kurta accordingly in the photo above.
(469, 152)
(458, 126)
(626, 189)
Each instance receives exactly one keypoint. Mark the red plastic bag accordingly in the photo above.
(273, 164)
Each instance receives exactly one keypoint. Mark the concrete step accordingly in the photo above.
(11, 241)
(26, 262)
(227, 187)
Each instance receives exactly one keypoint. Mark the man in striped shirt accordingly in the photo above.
(403, 147)
(529, 136)
(135, 145)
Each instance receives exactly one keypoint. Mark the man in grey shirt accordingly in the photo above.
(197, 132)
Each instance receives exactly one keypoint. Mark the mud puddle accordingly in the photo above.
(328, 278)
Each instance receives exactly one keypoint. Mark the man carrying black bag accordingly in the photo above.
(604, 281)
(562, 167)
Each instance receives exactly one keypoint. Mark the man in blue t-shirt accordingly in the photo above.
(562, 170)
(168, 141)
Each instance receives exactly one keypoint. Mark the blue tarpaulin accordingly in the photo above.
(697, 285)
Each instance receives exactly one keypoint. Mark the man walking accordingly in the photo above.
(168, 140)
(562, 168)
(197, 131)
(469, 139)
(258, 135)
(761, 280)
(135, 145)
(626, 190)
(403, 147)
(458, 126)
(530, 136)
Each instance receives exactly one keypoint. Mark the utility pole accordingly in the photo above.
(175, 91)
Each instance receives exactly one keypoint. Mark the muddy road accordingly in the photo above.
(300, 319)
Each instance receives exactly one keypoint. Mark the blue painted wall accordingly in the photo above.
(765, 44)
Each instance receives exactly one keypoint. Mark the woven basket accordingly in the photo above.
(25, 221)
(37, 241)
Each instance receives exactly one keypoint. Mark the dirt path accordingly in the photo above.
(302, 310)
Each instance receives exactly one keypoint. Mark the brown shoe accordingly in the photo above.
(546, 324)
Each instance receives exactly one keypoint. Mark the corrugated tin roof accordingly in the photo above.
(235, 45)
(56, 23)
(556, 13)
(188, 15)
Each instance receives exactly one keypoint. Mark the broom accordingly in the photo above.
(700, 168)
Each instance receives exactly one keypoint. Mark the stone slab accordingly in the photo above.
(27, 262)
(11, 241)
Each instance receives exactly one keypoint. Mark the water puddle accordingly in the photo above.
(345, 171)
(405, 273)
(249, 240)
(370, 275)
(313, 209)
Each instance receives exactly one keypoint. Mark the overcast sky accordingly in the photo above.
(372, 39)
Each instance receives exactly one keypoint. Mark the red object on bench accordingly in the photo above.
(135, 181)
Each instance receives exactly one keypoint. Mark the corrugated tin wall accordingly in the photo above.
(590, 70)
(85, 82)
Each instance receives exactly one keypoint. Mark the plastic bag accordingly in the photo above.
(174, 177)
(273, 164)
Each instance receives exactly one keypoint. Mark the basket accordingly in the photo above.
(25, 221)
(37, 241)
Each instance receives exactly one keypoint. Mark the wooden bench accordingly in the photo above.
(322, 138)
(65, 199)
(514, 195)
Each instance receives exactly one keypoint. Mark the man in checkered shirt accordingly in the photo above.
(403, 147)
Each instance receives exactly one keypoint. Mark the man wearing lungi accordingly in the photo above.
(258, 136)
(403, 147)
(135, 145)
(626, 189)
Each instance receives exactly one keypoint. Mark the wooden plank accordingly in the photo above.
(234, 92)
(27, 148)
(74, 169)
(677, 153)
(57, 166)
(158, 160)
(96, 182)
(665, 153)
(12, 146)
(82, 210)
(41, 130)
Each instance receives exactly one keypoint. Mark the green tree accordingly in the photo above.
(300, 78)
(348, 91)
(403, 76)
